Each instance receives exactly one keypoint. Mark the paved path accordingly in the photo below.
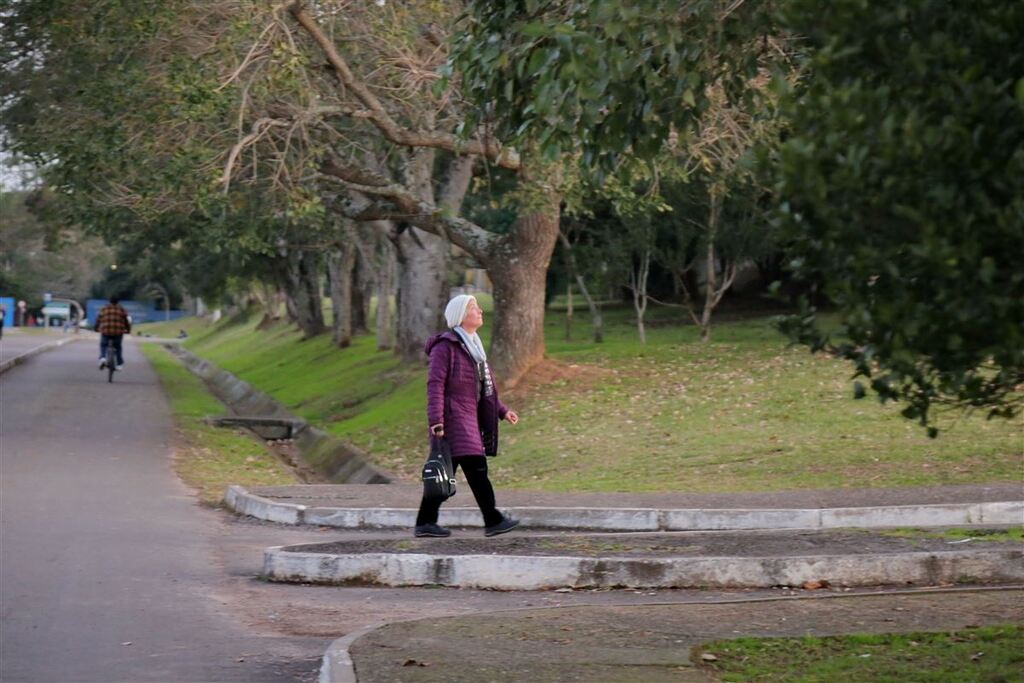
(15, 342)
(107, 569)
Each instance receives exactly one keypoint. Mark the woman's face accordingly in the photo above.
(474, 316)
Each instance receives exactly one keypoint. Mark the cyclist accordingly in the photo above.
(112, 323)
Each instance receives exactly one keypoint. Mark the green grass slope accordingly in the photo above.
(741, 413)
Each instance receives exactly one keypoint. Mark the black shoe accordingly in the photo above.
(503, 527)
(432, 531)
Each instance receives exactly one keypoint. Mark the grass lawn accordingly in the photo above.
(990, 654)
(740, 413)
(210, 458)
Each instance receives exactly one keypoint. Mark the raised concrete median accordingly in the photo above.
(367, 516)
(695, 560)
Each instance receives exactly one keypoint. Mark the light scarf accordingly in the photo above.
(473, 344)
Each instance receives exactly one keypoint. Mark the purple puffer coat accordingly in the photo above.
(470, 424)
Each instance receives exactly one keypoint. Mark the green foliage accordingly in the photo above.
(901, 188)
(36, 257)
(991, 653)
(126, 109)
(602, 77)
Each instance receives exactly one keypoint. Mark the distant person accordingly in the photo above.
(182, 334)
(112, 323)
(3, 312)
(463, 407)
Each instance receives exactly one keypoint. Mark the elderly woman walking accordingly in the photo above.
(463, 407)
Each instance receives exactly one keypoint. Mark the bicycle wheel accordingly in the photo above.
(111, 361)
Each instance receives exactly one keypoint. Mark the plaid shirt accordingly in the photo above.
(113, 321)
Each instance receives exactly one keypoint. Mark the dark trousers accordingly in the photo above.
(475, 469)
(106, 339)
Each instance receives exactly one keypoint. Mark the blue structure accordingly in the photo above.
(140, 312)
(8, 304)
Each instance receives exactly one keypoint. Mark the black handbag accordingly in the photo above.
(438, 471)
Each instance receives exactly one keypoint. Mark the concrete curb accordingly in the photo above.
(337, 665)
(511, 572)
(638, 519)
(338, 460)
(18, 360)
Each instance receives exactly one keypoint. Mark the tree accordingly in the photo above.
(717, 157)
(900, 187)
(517, 260)
(36, 258)
(604, 82)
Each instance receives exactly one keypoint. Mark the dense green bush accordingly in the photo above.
(901, 189)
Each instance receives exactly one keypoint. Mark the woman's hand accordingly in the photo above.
(437, 430)
(512, 417)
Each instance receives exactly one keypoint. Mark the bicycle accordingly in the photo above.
(111, 361)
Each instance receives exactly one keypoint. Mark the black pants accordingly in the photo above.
(475, 469)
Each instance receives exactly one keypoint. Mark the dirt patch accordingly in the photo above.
(683, 544)
(652, 643)
(548, 371)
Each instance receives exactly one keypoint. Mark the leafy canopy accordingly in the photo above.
(901, 187)
(602, 77)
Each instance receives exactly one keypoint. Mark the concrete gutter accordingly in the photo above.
(339, 461)
(511, 572)
(18, 360)
(638, 519)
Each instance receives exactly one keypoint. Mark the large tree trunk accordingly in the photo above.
(422, 290)
(270, 298)
(518, 267)
(378, 254)
(303, 290)
(386, 274)
(422, 268)
(340, 262)
(362, 293)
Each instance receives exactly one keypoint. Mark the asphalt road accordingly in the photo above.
(107, 565)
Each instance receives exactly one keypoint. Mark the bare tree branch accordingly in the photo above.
(378, 115)
(259, 129)
(406, 207)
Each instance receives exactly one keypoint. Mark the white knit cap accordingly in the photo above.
(455, 311)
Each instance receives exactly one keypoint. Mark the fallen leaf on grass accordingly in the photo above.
(708, 657)
(815, 585)
(976, 656)
(413, 662)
